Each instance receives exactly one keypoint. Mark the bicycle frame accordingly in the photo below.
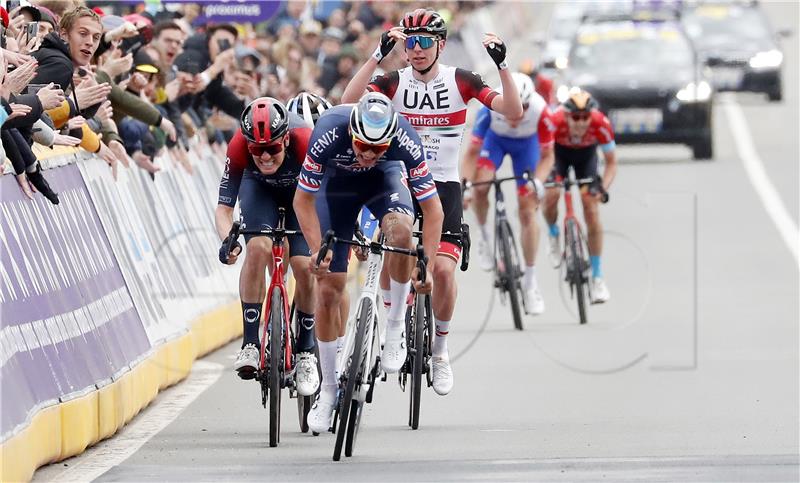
(277, 280)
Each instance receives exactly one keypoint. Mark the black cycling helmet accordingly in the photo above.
(579, 101)
(308, 106)
(424, 21)
(264, 120)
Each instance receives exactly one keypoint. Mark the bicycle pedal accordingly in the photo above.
(246, 374)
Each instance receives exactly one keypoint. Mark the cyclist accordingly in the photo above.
(526, 140)
(309, 106)
(580, 128)
(543, 84)
(359, 155)
(433, 97)
(262, 166)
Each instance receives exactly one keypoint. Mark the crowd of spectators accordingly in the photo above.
(128, 84)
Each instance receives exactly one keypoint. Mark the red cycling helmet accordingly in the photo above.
(424, 21)
(264, 120)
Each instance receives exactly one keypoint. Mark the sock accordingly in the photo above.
(327, 362)
(251, 317)
(339, 343)
(440, 341)
(597, 272)
(529, 279)
(339, 347)
(483, 228)
(386, 294)
(553, 229)
(399, 294)
(305, 338)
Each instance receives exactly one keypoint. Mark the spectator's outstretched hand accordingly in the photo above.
(15, 58)
(19, 79)
(118, 149)
(143, 161)
(89, 93)
(26, 44)
(25, 186)
(17, 22)
(109, 157)
(117, 64)
(124, 31)
(169, 128)
(63, 140)
(105, 111)
(50, 96)
(19, 110)
(76, 122)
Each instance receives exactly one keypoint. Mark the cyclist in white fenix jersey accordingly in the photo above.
(433, 97)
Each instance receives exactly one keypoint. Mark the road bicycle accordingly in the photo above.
(360, 358)
(419, 335)
(276, 366)
(574, 264)
(507, 268)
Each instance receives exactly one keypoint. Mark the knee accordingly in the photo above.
(443, 273)
(259, 251)
(526, 213)
(329, 294)
(482, 191)
(398, 231)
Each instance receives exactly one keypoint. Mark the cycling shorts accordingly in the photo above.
(583, 160)
(383, 189)
(450, 196)
(524, 154)
(259, 205)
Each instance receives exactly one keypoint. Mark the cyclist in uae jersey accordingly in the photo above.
(433, 97)
(261, 170)
(359, 156)
(526, 141)
(580, 129)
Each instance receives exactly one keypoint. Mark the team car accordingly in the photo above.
(647, 78)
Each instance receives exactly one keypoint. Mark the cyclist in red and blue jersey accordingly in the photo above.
(580, 129)
(433, 97)
(358, 156)
(527, 141)
(261, 170)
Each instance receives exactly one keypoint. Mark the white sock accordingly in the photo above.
(529, 279)
(440, 341)
(483, 228)
(339, 343)
(399, 294)
(339, 347)
(327, 362)
(387, 297)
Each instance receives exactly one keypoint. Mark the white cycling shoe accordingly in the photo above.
(485, 256)
(247, 361)
(600, 293)
(306, 376)
(554, 251)
(442, 375)
(534, 303)
(394, 350)
(320, 417)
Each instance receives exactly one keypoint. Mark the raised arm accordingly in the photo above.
(358, 84)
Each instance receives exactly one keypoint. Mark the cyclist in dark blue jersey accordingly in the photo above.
(358, 156)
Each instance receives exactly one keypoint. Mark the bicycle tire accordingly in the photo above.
(578, 268)
(510, 277)
(418, 356)
(352, 427)
(355, 363)
(275, 366)
(304, 403)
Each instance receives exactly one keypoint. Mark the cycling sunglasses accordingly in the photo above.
(580, 116)
(271, 149)
(378, 149)
(424, 42)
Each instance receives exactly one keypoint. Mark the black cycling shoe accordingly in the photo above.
(39, 182)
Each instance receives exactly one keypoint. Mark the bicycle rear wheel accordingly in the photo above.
(417, 355)
(510, 277)
(352, 369)
(304, 403)
(577, 267)
(275, 375)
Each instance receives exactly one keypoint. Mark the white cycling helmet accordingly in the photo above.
(524, 87)
(308, 106)
(373, 120)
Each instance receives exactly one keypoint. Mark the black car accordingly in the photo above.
(648, 80)
(738, 44)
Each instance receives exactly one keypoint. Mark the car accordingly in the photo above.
(738, 44)
(555, 45)
(647, 78)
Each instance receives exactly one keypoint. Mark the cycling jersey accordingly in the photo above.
(437, 109)
(240, 160)
(598, 132)
(537, 119)
(330, 150)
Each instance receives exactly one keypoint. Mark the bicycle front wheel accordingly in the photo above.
(417, 353)
(511, 276)
(577, 268)
(352, 369)
(275, 376)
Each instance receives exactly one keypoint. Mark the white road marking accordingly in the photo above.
(162, 411)
(758, 176)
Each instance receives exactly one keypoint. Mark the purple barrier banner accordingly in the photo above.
(67, 320)
(239, 11)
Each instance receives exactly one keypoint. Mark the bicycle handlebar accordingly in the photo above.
(466, 243)
(526, 176)
(566, 183)
(374, 247)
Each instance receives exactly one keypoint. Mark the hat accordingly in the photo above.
(137, 18)
(310, 27)
(49, 17)
(244, 51)
(4, 17)
(225, 26)
(144, 63)
(110, 22)
(333, 33)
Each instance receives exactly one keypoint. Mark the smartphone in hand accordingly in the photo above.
(32, 30)
(223, 44)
